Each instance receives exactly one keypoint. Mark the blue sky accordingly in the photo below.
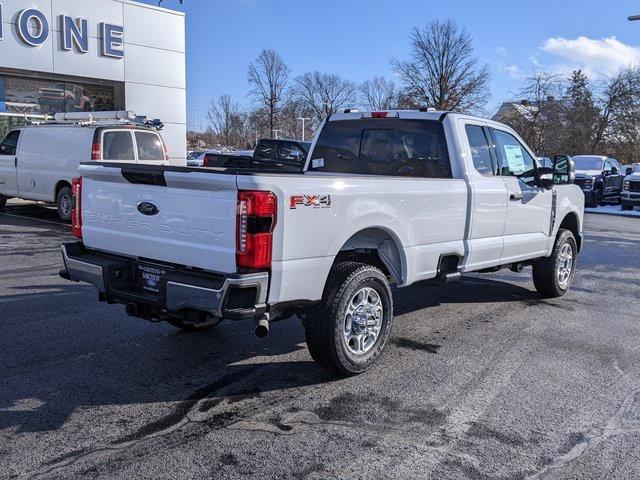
(357, 38)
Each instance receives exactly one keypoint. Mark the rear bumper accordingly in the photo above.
(179, 290)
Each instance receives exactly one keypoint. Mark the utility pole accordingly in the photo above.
(276, 132)
(303, 120)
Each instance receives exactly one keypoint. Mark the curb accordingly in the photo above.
(625, 215)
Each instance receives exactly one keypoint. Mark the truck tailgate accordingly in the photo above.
(169, 215)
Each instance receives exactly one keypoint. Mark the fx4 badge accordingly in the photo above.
(315, 201)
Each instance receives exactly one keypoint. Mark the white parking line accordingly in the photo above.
(31, 297)
(22, 217)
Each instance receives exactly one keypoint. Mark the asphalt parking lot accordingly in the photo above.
(483, 380)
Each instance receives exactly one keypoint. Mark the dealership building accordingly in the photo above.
(93, 55)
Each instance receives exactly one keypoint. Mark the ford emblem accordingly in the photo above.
(148, 208)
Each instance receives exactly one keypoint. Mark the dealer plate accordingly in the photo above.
(149, 278)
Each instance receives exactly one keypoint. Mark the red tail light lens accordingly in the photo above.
(76, 212)
(379, 114)
(96, 151)
(256, 218)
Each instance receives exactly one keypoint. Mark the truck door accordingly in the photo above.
(528, 220)
(8, 164)
(488, 198)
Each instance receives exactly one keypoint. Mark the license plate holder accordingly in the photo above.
(149, 278)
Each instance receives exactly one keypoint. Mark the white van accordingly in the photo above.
(38, 162)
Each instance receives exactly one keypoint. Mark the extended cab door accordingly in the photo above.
(8, 164)
(528, 220)
(488, 198)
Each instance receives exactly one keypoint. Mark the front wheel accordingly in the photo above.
(552, 276)
(64, 202)
(626, 207)
(350, 328)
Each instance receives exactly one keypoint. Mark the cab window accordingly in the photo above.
(118, 145)
(9, 145)
(291, 153)
(480, 152)
(391, 147)
(515, 160)
(150, 147)
(266, 149)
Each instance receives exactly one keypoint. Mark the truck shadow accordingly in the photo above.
(93, 355)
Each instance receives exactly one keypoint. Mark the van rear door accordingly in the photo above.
(8, 162)
(132, 146)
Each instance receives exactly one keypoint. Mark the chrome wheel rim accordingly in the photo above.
(565, 266)
(65, 205)
(363, 321)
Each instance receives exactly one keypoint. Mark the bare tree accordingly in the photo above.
(443, 72)
(324, 93)
(379, 94)
(268, 78)
(619, 109)
(227, 121)
(539, 117)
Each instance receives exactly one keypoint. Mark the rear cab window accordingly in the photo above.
(480, 151)
(388, 147)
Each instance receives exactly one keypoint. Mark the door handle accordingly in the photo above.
(15, 163)
(516, 196)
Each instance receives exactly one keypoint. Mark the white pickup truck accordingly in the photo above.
(385, 199)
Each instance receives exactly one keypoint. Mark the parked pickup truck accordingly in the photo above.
(385, 199)
(599, 177)
(280, 154)
(631, 189)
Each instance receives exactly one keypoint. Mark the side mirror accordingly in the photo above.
(564, 170)
(614, 170)
(545, 177)
(629, 171)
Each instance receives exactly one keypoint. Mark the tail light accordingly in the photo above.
(96, 151)
(166, 152)
(379, 114)
(205, 161)
(256, 218)
(76, 212)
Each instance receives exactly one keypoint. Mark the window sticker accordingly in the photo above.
(515, 159)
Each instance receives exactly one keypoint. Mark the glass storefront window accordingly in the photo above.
(21, 95)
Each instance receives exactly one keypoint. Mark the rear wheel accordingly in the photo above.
(64, 202)
(553, 275)
(626, 207)
(350, 328)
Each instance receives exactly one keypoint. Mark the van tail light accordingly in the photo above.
(96, 150)
(76, 212)
(256, 219)
(205, 161)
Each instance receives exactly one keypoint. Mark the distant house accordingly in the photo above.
(524, 109)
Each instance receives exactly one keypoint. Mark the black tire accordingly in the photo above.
(193, 327)
(3, 201)
(325, 325)
(64, 203)
(626, 207)
(545, 270)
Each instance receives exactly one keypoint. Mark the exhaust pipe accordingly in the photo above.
(262, 327)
